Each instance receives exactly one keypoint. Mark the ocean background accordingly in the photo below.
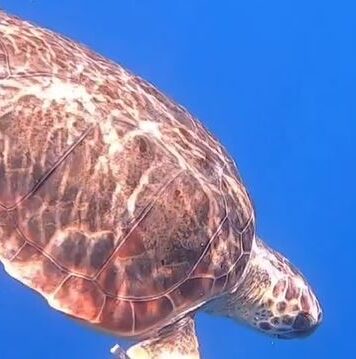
(275, 81)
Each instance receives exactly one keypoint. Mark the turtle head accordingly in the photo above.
(288, 308)
(274, 297)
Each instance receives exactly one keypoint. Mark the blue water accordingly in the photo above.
(276, 82)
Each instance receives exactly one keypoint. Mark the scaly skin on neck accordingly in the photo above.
(273, 297)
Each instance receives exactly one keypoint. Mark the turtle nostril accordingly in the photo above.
(303, 322)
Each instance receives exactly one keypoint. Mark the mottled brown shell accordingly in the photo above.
(115, 204)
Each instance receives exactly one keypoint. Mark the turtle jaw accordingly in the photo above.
(304, 325)
(293, 322)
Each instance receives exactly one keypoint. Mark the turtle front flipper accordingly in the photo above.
(179, 343)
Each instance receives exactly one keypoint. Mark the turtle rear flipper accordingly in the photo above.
(180, 343)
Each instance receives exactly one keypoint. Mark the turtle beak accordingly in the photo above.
(304, 325)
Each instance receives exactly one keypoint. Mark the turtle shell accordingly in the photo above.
(115, 203)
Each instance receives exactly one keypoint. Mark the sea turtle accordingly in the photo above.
(122, 210)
